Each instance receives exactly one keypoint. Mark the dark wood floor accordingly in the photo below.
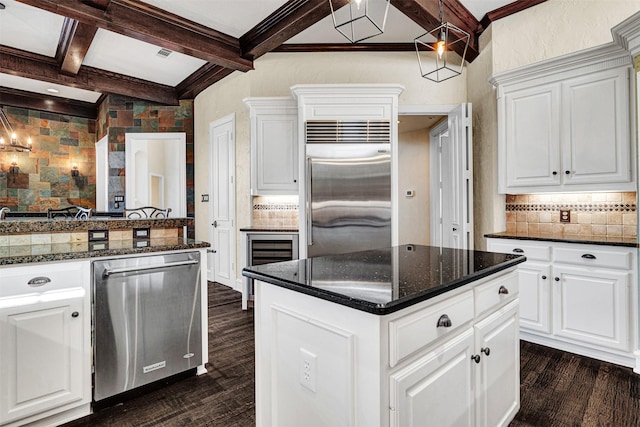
(558, 389)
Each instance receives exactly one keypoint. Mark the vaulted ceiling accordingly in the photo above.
(63, 55)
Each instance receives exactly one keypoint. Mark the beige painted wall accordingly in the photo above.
(274, 74)
(545, 31)
(413, 155)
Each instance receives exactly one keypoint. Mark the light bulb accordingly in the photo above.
(440, 47)
(29, 141)
(1, 141)
(14, 138)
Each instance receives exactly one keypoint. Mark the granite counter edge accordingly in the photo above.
(563, 239)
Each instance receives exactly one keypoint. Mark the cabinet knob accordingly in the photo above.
(544, 277)
(554, 173)
(567, 172)
(75, 314)
(476, 358)
(503, 291)
(295, 180)
(444, 321)
(557, 279)
(485, 350)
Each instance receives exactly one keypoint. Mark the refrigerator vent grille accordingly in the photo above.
(353, 131)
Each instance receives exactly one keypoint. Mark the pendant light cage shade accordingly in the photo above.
(442, 65)
(360, 20)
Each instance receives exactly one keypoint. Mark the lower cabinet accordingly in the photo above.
(45, 354)
(471, 380)
(578, 297)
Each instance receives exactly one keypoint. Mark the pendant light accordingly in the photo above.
(442, 41)
(360, 19)
(14, 144)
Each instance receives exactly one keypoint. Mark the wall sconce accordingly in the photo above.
(14, 169)
(74, 170)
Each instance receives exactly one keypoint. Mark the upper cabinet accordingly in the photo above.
(274, 146)
(565, 124)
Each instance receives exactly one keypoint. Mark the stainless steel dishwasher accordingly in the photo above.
(147, 320)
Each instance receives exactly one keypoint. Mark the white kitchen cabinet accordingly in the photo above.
(274, 146)
(452, 360)
(585, 304)
(565, 124)
(425, 389)
(591, 306)
(498, 371)
(45, 358)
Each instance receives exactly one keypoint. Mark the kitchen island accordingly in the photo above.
(408, 335)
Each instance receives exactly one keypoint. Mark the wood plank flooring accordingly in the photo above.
(558, 389)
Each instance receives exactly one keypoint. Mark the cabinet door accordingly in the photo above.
(596, 144)
(532, 138)
(498, 373)
(591, 305)
(276, 154)
(41, 357)
(436, 390)
(535, 296)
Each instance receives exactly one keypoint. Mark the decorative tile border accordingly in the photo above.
(276, 207)
(580, 207)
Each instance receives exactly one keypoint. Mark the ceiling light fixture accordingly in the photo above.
(356, 20)
(442, 40)
(14, 144)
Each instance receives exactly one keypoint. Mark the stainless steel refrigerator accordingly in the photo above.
(348, 197)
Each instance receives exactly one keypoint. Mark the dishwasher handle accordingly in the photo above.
(109, 272)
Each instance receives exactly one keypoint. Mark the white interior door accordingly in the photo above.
(452, 181)
(222, 231)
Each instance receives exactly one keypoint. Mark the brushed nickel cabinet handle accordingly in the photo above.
(38, 281)
(444, 321)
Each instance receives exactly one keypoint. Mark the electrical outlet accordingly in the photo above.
(565, 215)
(308, 371)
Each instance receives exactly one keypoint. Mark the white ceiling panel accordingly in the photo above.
(398, 29)
(232, 17)
(135, 58)
(28, 28)
(37, 86)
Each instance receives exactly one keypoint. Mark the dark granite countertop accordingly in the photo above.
(44, 225)
(383, 281)
(13, 255)
(568, 238)
(269, 229)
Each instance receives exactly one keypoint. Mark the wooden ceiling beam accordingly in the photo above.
(204, 77)
(346, 47)
(76, 47)
(292, 18)
(39, 67)
(51, 104)
(152, 25)
(426, 13)
(507, 10)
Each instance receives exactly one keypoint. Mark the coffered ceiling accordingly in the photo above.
(63, 55)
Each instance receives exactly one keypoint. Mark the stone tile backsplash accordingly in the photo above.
(275, 211)
(598, 214)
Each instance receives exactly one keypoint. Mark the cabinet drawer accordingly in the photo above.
(496, 292)
(588, 256)
(414, 331)
(41, 278)
(531, 251)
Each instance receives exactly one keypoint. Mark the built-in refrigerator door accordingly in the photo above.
(349, 198)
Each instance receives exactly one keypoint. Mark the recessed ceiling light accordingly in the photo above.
(52, 90)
